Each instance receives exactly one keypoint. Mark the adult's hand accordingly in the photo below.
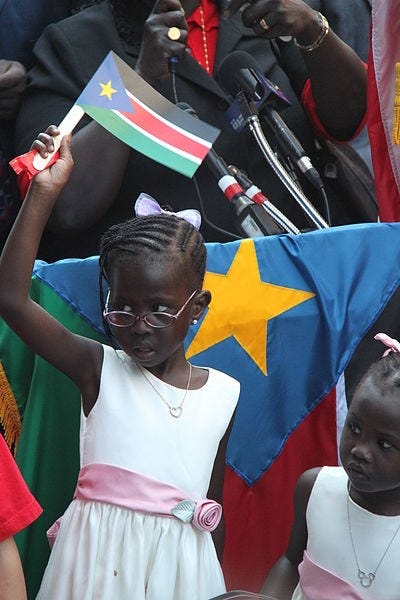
(274, 18)
(12, 84)
(157, 48)
(337, 75)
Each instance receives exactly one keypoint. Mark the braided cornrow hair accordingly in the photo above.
(162, 236)
(384, 373)
(387, 371)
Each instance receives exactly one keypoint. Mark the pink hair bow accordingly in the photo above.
(146, 205)
(392, 344)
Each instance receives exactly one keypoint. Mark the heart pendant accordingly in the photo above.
(175, 411)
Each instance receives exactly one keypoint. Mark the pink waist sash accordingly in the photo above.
(319, 584)
(128, 489)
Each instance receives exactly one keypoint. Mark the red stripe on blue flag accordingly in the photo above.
(164, 131)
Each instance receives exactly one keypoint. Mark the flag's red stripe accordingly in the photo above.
(162, 131)
(386, 187)
(258, 518)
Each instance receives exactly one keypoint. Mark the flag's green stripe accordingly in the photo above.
(13, 353)
(140, 142)
(50, 405)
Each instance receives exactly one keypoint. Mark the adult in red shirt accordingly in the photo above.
(18, 509)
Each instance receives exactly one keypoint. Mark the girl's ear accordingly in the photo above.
(202, 300)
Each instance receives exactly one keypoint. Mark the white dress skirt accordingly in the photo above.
(107, 551)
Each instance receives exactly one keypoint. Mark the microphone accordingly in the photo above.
(255, 194)
(172, 62)
(251, 218)
(240, 72)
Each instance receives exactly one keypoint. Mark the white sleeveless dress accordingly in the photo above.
(330, 568)
(106, 551)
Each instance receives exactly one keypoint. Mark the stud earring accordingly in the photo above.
(194, 322)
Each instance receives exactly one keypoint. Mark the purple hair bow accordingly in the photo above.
(146, 205)
(392, 344)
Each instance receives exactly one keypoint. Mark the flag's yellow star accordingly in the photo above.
(107, 90)
(242, 305)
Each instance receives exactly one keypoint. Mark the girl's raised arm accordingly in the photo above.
(39, 330)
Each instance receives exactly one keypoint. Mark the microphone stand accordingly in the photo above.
(279, 217)
(254, 125)
(259, 198)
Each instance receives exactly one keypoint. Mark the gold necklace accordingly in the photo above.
(174, 411)
(367, 579)
(204, 37)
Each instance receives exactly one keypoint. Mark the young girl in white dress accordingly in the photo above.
(154, 428)
(345, 540)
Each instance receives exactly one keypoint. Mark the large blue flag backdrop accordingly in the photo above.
(286, 315)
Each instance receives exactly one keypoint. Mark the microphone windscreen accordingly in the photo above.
(228, 73)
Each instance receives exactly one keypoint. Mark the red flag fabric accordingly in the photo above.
(25, 169)
(384, 105)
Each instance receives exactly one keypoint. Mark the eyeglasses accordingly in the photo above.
(122, 318)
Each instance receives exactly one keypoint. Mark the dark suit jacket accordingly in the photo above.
(67, 55)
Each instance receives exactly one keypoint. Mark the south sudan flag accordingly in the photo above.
(122, 102)
(129, 108)
(288, 314)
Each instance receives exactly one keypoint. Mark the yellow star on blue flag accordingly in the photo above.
(107, 89)
(241, 306)
(112, 95)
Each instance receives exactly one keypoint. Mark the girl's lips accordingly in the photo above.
(356, 471)
(143, 352)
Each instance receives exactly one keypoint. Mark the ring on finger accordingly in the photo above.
(263, 24)
(174, 34)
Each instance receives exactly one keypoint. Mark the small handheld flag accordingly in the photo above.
(127, 106)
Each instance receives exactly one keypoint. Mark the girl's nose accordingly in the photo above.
(140, 327)
(361, 452)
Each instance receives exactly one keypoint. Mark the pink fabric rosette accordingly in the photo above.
(207, 514)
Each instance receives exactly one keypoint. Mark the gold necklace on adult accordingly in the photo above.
(367, 579)
(204, 38)
(174, 411)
